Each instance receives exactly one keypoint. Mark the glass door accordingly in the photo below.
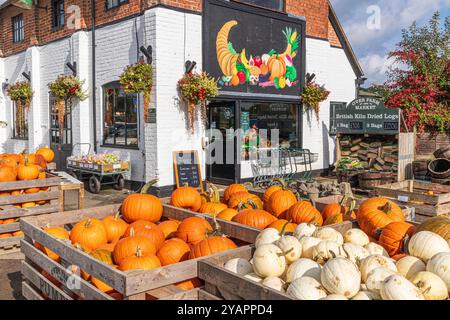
(61, 136)
(221, 151)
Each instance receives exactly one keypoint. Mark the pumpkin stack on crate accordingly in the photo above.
(151, 252)
(26, 189)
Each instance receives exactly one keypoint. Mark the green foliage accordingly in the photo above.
(137, 78)
(313, 95)
(198, 87)
(20, 91)
(66, 87)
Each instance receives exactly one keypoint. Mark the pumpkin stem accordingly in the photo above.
(283, 230)
(387, 207)
(285, 253)
(117, 215)
(88, 223)
(217, 229)
(131, 232)
(282, 183)
(377, 233)
(148, 185)
(248, 184)
(138, 252)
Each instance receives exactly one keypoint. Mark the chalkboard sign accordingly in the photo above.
(187, 169)
(367, 115)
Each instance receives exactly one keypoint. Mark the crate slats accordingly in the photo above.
(29, 293)
(27, 184)
(8, 228)
(31, 197)
(19, 212)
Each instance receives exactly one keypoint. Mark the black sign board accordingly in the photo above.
(252, 50)
(367, 115)
(151, 115)
(187, 169)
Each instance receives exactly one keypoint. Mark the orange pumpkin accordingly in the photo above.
(17, 233)
(28, 205)
(173, 251)
(376, 213)
(140, 261)
(210, 246)
(136, 225)
(393, 236)
(189, 284)
(7, 174)
(5, 235)
(244, 200)
(212, 208)
(30, 158)
(128, 247)
(231, 189)
(227, 214)
(9, 221)
(193, 230)
(89, 234)
(58, 233)
(153, 233)
(40, 161)
(282, 224)
(169, 228)
(269, 191)
(46, 153)
(115, 227)
(280, 202)
(5, 194)
(108, 246)
(187, 198)
(337, 212)
(142, 207)
(255, 218)
(28, 170)
(304, 212)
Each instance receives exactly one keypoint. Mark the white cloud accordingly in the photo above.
(376, 67)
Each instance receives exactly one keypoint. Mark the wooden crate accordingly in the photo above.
(8, 211)
(135, 284)
(227, 285)
(406, 191)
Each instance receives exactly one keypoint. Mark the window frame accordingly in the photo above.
(56, 15)
(20, 31)
(14, 134)
(118, 5)
(283, 10)
(333, 104)
(116, 86)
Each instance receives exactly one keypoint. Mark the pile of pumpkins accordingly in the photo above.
(23, 166)
(385, 259)
(139, 237)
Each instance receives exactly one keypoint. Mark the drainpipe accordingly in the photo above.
(94, 95)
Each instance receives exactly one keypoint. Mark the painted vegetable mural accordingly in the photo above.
(271, 69)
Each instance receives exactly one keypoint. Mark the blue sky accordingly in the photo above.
(372, 43)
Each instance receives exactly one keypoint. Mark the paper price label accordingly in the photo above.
(403, 198)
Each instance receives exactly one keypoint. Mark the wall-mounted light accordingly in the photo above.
(147, 52)
(189, 66)
(26, 75)
(5, 85)
(72, 67)
(360, 81)
(310, 77)
(3, 124)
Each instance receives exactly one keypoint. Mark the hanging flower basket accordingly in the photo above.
(138, 78)
(64, 88)
(312, 95)
(22, 94)
(196, 89)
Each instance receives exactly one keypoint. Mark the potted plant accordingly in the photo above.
(65, 88)
(312, 95)
(196, 89)
(138, 78)
(22, 94)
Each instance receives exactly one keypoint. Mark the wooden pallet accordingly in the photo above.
(9, 211)
(133, 285)
(227, 285)
(406, 191)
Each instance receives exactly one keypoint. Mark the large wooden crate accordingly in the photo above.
(219, 282)
(9, 211)
(412, 193)
(135, 284)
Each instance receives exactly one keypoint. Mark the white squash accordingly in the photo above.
(308, 243)
(374, 261)
(306, 288)
(334, 297)
(356, 236)
(341, 276)
(439, 264)
(239, 266)
(327, 233)
(303, 268)
(375, 248)
(267, 236)
(304, 230)
(431, 286)
(396, 287)
(367, 295)
(426, 244)
(325, 251)
(409, 266)
(291, 247)
(448, 242)
(274, 282)
(253, 277)
(354, 252)
(269, 260)
(376, 277)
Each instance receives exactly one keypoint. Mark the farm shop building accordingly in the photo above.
(52, 36)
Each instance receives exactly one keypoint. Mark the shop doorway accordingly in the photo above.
(61, 136)
(222, 165)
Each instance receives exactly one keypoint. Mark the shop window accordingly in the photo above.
(120, 117)
(18, 28)
(277, 5)
(334, 106)
(58, 13)
(111, 4)
(20, 121)
(255, 117)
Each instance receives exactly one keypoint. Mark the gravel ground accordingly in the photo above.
(10, 277)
